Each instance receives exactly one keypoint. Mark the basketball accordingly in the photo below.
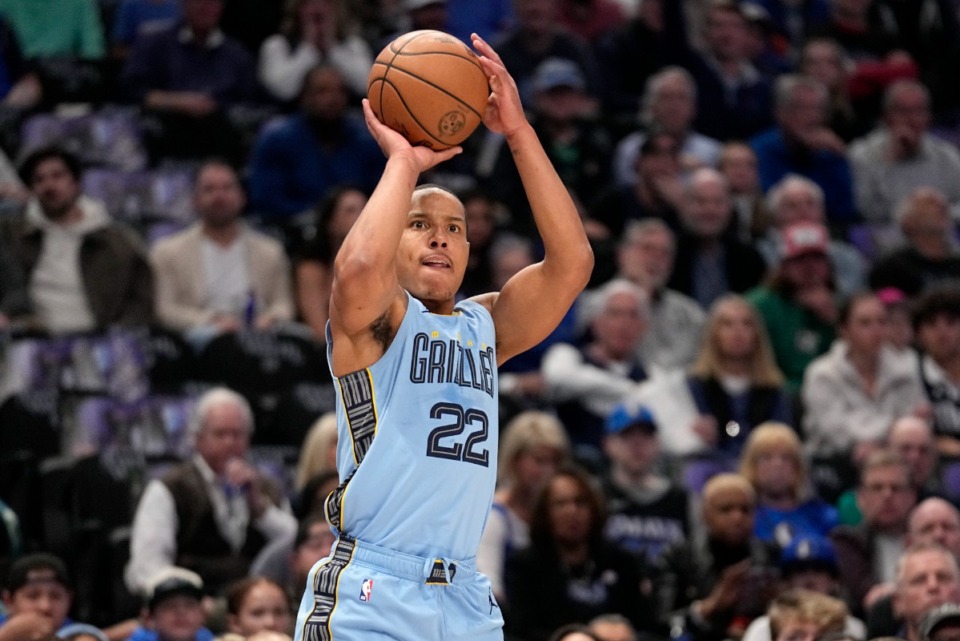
(430, 87)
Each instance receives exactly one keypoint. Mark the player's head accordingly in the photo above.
(433, 251)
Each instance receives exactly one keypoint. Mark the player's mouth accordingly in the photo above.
(436, 261)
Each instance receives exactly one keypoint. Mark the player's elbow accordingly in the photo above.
(581, 265)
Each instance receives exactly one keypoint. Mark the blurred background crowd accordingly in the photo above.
(748, 427)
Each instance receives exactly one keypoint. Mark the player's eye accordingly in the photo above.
(455, 229)
(418, 224)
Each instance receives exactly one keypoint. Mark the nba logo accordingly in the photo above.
(366, 590)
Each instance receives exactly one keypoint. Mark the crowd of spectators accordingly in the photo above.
(748, 427)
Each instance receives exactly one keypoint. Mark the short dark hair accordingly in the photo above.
(19, 574)
(848, 303)
(943, 300)
(51, 152)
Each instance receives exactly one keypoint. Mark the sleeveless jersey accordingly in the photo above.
(417, 449)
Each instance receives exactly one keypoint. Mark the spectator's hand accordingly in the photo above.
(265, 322)
(903, 142)
(14, 192)
(240, 473)
(726, 592)
(923, 411)
(899, 57)
(504, 112)
(863, 450)
(877, 592)
(819, 300)
(27, 626)
(823, 139)
(670, 190)
(189, 103)
(705, 426)
(948, 446)
(226, 323)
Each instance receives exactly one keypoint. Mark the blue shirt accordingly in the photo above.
(291, 172)
(813, 518)
(829, 170)
(143, 634)
(139, 16)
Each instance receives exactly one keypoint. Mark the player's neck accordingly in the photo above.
(442, 307)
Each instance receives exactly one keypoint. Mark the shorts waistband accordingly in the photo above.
(431, 570)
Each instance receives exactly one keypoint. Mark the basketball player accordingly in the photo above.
(416, 374)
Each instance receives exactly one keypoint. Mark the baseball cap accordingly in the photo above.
(173, 581)
(809, 553)
(37, 568)
(948, 612)
(800, 239)
(76, 629)
(891, 296)
(627, 415)
(554, 73)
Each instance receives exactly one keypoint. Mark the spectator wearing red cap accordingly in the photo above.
(798, 302)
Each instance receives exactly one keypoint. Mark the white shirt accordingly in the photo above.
(225, 277)
(153, 539)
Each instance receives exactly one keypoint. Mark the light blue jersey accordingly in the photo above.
(417, 450)
(417, 455)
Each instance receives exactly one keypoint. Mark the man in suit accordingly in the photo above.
(219, 275)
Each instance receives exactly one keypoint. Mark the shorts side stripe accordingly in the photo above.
(326, 582)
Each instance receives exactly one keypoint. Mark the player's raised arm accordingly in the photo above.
(534, 301)
(366, 291)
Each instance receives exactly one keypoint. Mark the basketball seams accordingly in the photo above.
(410, 112)
(395, 100)
(437, 87)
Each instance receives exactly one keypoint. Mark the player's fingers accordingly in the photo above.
(483, 47)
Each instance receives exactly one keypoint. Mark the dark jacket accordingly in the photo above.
(690, 570)
(116, 276)
(200, 546)
(854, 547)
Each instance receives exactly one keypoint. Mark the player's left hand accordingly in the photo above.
(504, 110)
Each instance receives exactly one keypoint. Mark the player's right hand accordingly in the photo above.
(392, 143)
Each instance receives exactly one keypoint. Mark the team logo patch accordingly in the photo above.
(366, 590)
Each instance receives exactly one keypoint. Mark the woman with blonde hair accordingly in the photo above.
(735, 381)
(318, 455)
(534, 445)
(772, 461)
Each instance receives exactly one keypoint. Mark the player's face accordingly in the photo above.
(264, 609)
(433, 251)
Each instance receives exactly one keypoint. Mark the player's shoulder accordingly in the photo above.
(486, 301)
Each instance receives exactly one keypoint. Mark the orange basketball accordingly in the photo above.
(430, 87)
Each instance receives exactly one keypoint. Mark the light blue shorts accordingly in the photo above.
(364, 592)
